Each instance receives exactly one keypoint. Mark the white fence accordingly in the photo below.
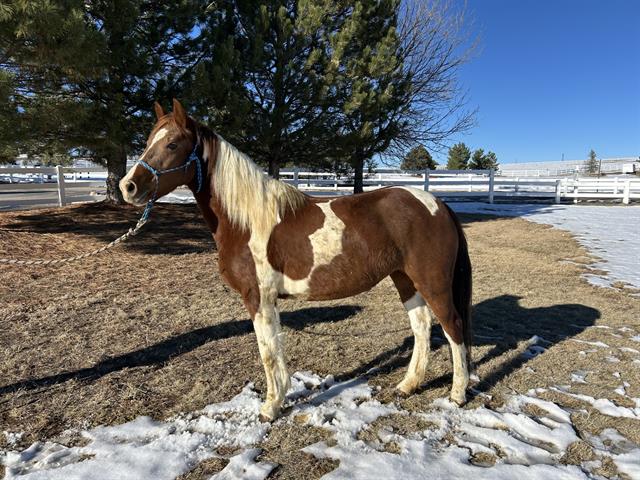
(68, 182)
(479, 183)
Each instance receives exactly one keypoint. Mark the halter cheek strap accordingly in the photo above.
(193, 158)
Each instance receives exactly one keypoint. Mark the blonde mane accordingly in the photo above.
(251, 199)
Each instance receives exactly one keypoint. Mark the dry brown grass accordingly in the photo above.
(283, 446)
(205, 469)
(150, 329)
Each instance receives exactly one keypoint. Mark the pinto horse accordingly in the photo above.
(275, 242)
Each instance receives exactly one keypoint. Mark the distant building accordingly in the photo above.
(566, 167)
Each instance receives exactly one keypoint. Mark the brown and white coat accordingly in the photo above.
(274, 242)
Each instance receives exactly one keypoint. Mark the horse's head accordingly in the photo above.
(167, 162)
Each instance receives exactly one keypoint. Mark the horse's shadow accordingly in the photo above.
(501, 323)
(160, 353)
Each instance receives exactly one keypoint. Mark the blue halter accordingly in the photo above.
(193, 157)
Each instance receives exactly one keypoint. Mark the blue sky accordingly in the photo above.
(554, 77)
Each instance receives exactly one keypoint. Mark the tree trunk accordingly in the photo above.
(274, 167)
(358, 166)
(116, 169)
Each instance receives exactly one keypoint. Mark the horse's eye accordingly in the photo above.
(172, 146)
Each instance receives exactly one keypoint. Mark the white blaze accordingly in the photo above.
(160, 134)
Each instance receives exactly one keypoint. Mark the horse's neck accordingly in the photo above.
(224, 224)
(209, 206)
(204, 200)
(215, 216)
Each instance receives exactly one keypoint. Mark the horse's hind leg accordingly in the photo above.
(420, 319)
(443, 309)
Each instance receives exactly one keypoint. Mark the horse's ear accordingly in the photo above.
(159, 111)
(179, 115)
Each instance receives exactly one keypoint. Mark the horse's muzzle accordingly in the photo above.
(131, 192)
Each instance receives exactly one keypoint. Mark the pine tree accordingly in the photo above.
(459, 156)
(272, 57)
(216, 93)
(483, 161)
(85, 74)
(477, 160)
(374, 86)
(491, 161)
(592, 163)
(313, 82)
(418, 158)
(9, 120)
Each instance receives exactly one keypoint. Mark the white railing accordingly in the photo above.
(458, 183)
(68, 182)
(478, 183)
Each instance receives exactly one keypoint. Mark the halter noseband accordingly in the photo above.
(193, 157)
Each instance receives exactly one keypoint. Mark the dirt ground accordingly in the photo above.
(150, 329)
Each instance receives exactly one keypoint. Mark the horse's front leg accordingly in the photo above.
(266, 324)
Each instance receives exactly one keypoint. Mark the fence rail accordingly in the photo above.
(68, 183)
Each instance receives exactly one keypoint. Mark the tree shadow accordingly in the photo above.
(501, 323)
(162, 352)
(174, 229)
(470, 212)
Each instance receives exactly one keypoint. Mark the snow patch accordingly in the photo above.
(603, 405)
(593, 344)
(524, 439)
(243, 466)
(579, 376)
(609, 231)
(145, 449)
(522, 447)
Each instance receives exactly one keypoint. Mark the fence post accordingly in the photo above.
(426, 180)
(627, 192)
(296, 171)
(61, 198)
(491, 175)
(558, 190)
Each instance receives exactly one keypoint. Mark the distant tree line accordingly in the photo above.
(459, 158)
(317, 83)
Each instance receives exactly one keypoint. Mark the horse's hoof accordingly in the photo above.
(268, 413)
(406, 387)
(459, 400)
(401, 393)
(264, 418)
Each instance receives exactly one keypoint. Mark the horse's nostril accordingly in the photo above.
(131, 187)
